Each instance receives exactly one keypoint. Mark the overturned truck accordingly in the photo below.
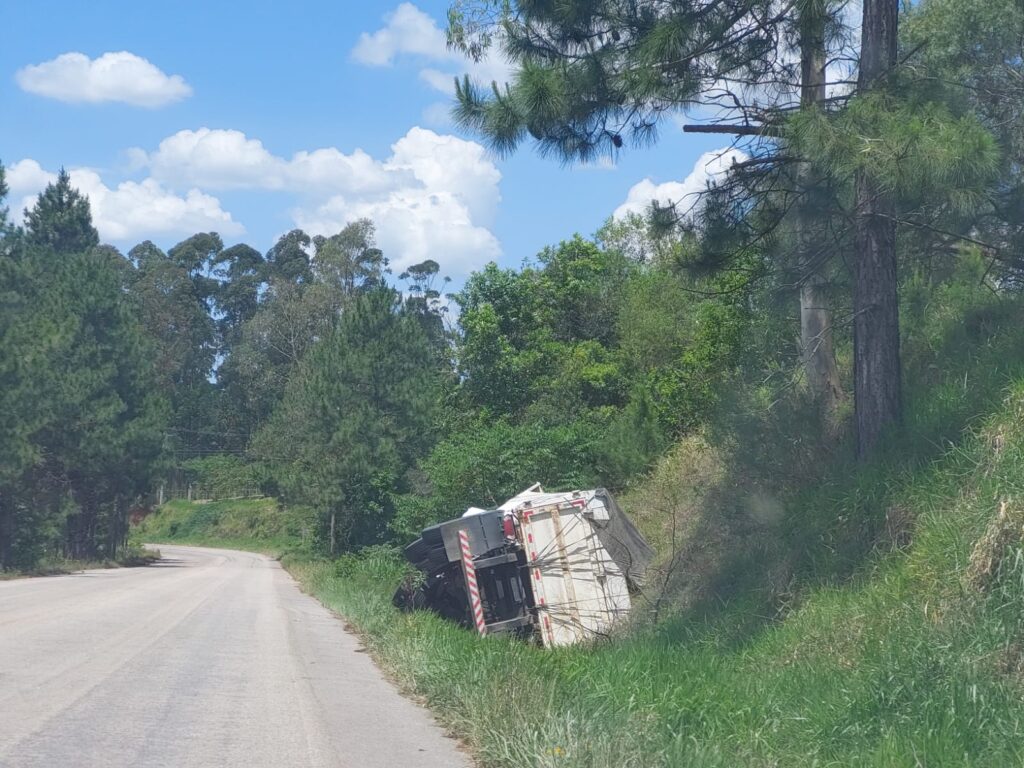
(555, 567)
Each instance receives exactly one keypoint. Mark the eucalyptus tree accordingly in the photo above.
(307, 283)
(350, 261)
(173, 296)
(240, 274)
(3, 197)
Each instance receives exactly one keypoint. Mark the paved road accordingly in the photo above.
(213, 658)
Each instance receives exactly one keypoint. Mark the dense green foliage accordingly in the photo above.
(575, 371)
(807, 607)
(312, 373)
(356, 415)
(847, 149)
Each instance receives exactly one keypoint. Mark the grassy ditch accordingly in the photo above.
(915, 660)
(918, 660)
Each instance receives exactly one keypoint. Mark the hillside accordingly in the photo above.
(259, 525)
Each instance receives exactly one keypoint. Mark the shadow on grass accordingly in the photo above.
(835, 523)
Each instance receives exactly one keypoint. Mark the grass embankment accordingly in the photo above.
(918, 660)
(255, 525)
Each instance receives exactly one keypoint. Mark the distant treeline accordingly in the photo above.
(781, 311)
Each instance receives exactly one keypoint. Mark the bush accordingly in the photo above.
(485, 464)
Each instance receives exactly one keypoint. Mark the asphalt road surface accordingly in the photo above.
(213, 658)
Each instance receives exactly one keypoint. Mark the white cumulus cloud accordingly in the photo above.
(444, 195)
(228, 159)
(113, 77)
(686, 193)
(410, 32)
(435, 195)
(407, 30)
(412, 225)
(450, 165)
(130, 210)
(432, 196)
(27, 176)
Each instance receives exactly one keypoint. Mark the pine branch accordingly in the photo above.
(770, 131)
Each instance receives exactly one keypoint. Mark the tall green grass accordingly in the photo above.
(906, 664)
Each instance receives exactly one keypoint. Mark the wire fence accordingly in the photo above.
(203, 492)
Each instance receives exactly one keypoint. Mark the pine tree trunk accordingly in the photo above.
(81, 526)
(816, 345)
(876, 330)
(818, 351)
(115, 526)
(6, 530)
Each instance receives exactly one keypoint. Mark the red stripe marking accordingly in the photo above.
(474, 591)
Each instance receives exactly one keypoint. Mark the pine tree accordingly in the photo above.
(356, 416)
(61, 219)
(109, 415)
(593, 76)
(83, 422)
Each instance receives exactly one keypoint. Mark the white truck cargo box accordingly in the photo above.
(580, 592)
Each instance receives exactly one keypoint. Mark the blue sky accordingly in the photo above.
(213, 118)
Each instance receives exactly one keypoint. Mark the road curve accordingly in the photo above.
(212, 659)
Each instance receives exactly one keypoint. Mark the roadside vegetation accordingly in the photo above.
(887, 632)
(914, 657)
(255, 525)
(806, 386)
